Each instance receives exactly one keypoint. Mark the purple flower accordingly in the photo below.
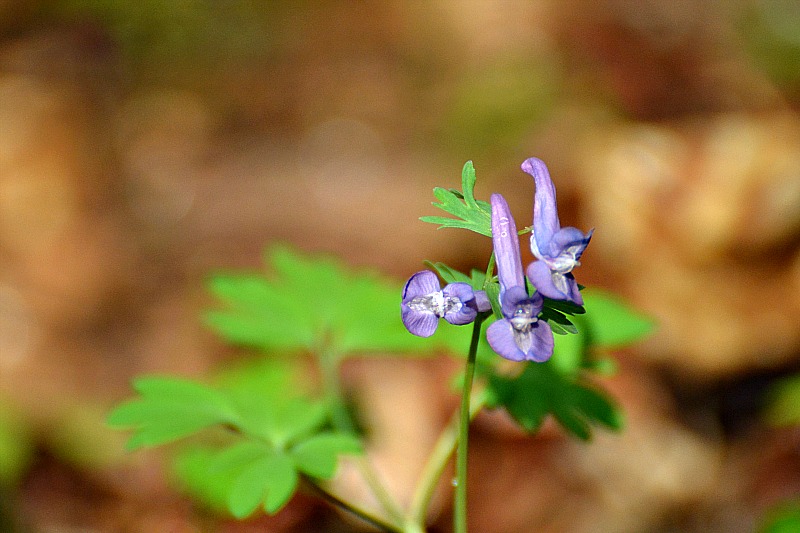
(425, 302)
(557, 249)
(520, 335)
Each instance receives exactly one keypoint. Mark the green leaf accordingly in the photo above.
(190, 467)
(783, 407)
(471, 214)
(318, 455)
(604, 366)
(260, 313)
(784, 518)
(269, 379)
(476, 279)
(283, 481)
(596, 406)
(568, 353)
(564, 306)
(238, 478)
(449, 274)
(273, 400)
(610, 322)
(541, 389)
(170, 409)
(558, 322)
(493, 293)
(271, 479)
(16, 447)
(285, 421)
(305, 302)
(236, 456)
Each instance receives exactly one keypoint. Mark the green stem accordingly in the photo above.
(460, 506)
(437, 462)
(353, 509)
(489, 270)
(329, 364)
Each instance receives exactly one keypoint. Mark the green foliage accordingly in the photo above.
(240, 477)
(783, 408)
(272, 430)
(170, 409)
(316, 456)
(471, 214)
(561, 387)
(541, 390)
(770, 33)
(784, 518)
(309, 303)
(476, 279)
(611, 323)
(259, 431)
(569, 353)
(558, 321)
(169, 39)
(16, 447)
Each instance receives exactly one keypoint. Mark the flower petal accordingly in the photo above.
(481, 302)
(500, 335)
(553, 285)
(538, 341)
(545, 209)
(459, 289)
(511, 298)
(542, 342)
(570, 241)
(464, 313)
(419, 323)
(422, 283)
(506, 245)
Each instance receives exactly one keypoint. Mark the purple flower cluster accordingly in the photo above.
(520, 335)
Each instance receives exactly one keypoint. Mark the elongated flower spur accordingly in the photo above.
(557, 249)
(520, 335)
(425, 302)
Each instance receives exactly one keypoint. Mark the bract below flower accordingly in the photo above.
(557, 249)
(520, 335)
(425, 302)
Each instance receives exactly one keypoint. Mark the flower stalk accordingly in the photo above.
(460, 507)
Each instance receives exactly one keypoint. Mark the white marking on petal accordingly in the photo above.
(436, 303)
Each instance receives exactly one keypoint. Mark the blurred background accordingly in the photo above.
(144, 145)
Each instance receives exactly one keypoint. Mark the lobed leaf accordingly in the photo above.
(239, 478)
(471, 214)
(558, 322)
(305, 302)
(282, 422)
(270, 479)
(449, 274)
(170, 409)
(541, 390)
(250, 473)
(317, 456)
